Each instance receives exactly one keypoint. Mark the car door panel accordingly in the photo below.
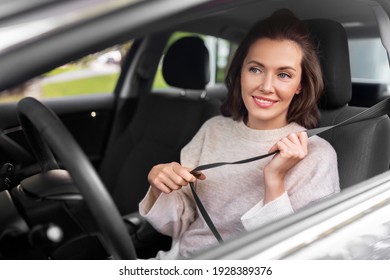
(88, 118)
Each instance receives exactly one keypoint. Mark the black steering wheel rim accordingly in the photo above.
(45, 133)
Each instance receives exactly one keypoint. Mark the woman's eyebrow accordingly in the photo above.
(280, 68)
(287, 68)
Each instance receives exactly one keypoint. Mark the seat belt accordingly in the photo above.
(379, 109)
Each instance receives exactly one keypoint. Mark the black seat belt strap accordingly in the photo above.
(204, 213)
(379, 109)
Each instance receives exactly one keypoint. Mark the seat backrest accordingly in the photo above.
(368, 94)
(362, 148)
(161, 125)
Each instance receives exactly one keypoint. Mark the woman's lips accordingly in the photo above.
(263, 102)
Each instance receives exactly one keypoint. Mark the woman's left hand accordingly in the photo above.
(292, 149)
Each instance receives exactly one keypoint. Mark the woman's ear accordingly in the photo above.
(299, 89)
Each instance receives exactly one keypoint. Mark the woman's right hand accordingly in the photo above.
(170, 177)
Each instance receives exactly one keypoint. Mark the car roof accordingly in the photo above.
(43, 34)
(355, 16)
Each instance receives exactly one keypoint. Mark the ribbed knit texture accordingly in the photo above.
(233, 194)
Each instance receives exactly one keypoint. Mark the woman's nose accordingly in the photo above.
(267, 84)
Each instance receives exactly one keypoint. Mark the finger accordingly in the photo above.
(173, 174)
(169, 182)
(174, 185)
(178, 179)
(163, 177)
(162, 187)
(295, 147)
(202, 176)
(158, 183)
(274, 148)
(291, 150)
(293, 137)
(304, 139)
(291, 146)
(283, 148)
(185, 173)
(198, 175)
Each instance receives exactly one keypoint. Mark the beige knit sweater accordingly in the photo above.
(233, 194)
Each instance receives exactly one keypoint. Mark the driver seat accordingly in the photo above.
(161, 125)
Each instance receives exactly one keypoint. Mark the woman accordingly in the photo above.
(274, 83)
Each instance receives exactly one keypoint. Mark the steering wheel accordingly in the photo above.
(46, 134)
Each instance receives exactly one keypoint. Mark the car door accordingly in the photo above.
(81, 93)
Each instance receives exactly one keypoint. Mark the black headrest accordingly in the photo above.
(186, 64)
(333, 50)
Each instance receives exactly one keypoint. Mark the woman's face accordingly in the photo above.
(270, 77)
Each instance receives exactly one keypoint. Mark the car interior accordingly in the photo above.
(149, 127)
(368, 137)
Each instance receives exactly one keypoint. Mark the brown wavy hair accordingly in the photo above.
(281, 25)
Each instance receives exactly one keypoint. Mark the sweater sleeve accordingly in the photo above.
(261, 214)
(171, 214)
(314, 178)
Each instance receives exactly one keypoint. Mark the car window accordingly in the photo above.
(96, 73)
(369, 62)
(220, 51)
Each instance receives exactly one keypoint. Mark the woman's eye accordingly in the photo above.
(254, 70)
(284, 75)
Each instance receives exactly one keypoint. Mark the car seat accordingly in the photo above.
(362, 148)
(161, 125)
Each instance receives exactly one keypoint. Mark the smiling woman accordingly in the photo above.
(269, 70)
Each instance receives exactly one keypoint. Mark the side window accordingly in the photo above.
(220, 51)
(369, 62)
(93, 74)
